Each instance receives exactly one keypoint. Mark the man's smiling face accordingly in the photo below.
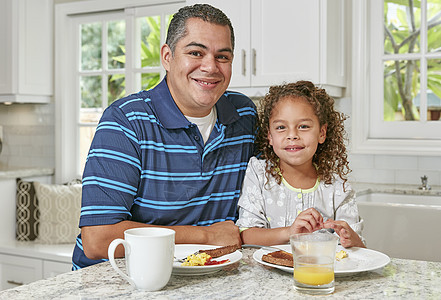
(199, 70)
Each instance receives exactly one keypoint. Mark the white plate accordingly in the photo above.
(183, 250)
(358, 260)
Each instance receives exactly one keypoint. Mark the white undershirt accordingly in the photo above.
(205, 124)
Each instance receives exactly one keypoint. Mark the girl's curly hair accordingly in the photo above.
(330, 157)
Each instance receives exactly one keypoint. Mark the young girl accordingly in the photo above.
(300, 184)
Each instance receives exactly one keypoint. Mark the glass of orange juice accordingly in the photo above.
(314, 255)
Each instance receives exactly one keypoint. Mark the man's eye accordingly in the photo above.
(195, 53)
(223, 58)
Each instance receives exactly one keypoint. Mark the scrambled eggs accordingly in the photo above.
(196, 260)
(341, 254)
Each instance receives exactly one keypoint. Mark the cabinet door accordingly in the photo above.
(26, 50)
(35, 52)
(16, 270)
(6, 73)
(285, 41)
(53, 268)
(239, 14)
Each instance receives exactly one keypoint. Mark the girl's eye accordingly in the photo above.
(304, 126)
(280, 127)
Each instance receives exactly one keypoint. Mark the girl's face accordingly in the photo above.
(295, 132)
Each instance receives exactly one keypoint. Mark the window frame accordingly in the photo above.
(66, 71)
(365, 68)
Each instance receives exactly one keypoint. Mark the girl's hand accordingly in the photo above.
(308, 220)
(348, 237)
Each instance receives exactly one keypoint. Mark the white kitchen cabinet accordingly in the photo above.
(54, 268)
(26, 51)
(284, 41)
(25, 262)
(239, 13)
(17, 270)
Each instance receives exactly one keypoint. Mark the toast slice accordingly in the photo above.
(281, 258)
(217, 252)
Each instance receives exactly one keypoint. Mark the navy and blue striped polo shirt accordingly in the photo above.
(148, 163)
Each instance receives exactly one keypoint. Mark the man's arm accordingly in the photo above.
(96, 239)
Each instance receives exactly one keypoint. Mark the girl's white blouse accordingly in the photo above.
(270, 205)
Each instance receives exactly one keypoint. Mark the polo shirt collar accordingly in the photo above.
(226, 111)
(171, 117)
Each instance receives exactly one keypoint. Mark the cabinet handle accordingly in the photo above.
(14, 282)
(244, 64)
(254, 62)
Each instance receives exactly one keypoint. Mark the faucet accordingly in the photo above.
(424, 186)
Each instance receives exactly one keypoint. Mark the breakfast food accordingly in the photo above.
(341, 254)
(202, 259)
(196, 260)
(281, 258)
(217, 252)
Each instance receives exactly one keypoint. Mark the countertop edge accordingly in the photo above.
(54, 252)
(12, 173)
(363, 188)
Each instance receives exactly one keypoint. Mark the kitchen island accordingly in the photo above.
(247, 279)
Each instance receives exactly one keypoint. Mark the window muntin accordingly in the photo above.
(410, 29)
(404, 75)
(112, 64)
(370, 133)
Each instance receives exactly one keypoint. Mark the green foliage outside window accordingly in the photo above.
(91, 58)
(402, 28)
(150, 53)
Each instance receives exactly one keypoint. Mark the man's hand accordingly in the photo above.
(96, 239)
(223, 234)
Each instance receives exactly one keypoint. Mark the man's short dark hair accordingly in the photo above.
(177, 28)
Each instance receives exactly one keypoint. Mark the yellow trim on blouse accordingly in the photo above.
(317, 182)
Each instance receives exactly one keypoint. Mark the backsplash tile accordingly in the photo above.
(429, 163)
(28, 135)
(361, 161)
(395, 169)
(372, 175)
(414, 177)
(391, 162)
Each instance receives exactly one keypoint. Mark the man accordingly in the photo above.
(173, 156)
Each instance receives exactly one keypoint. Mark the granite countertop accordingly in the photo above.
(54, 252)
(18, 172)
(363, 188)
(247, 279)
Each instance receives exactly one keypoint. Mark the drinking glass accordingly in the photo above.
(314, 256)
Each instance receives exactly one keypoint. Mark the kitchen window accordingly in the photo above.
(103, 56)
(396, 77)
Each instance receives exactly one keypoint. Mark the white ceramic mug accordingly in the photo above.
(149, 253)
